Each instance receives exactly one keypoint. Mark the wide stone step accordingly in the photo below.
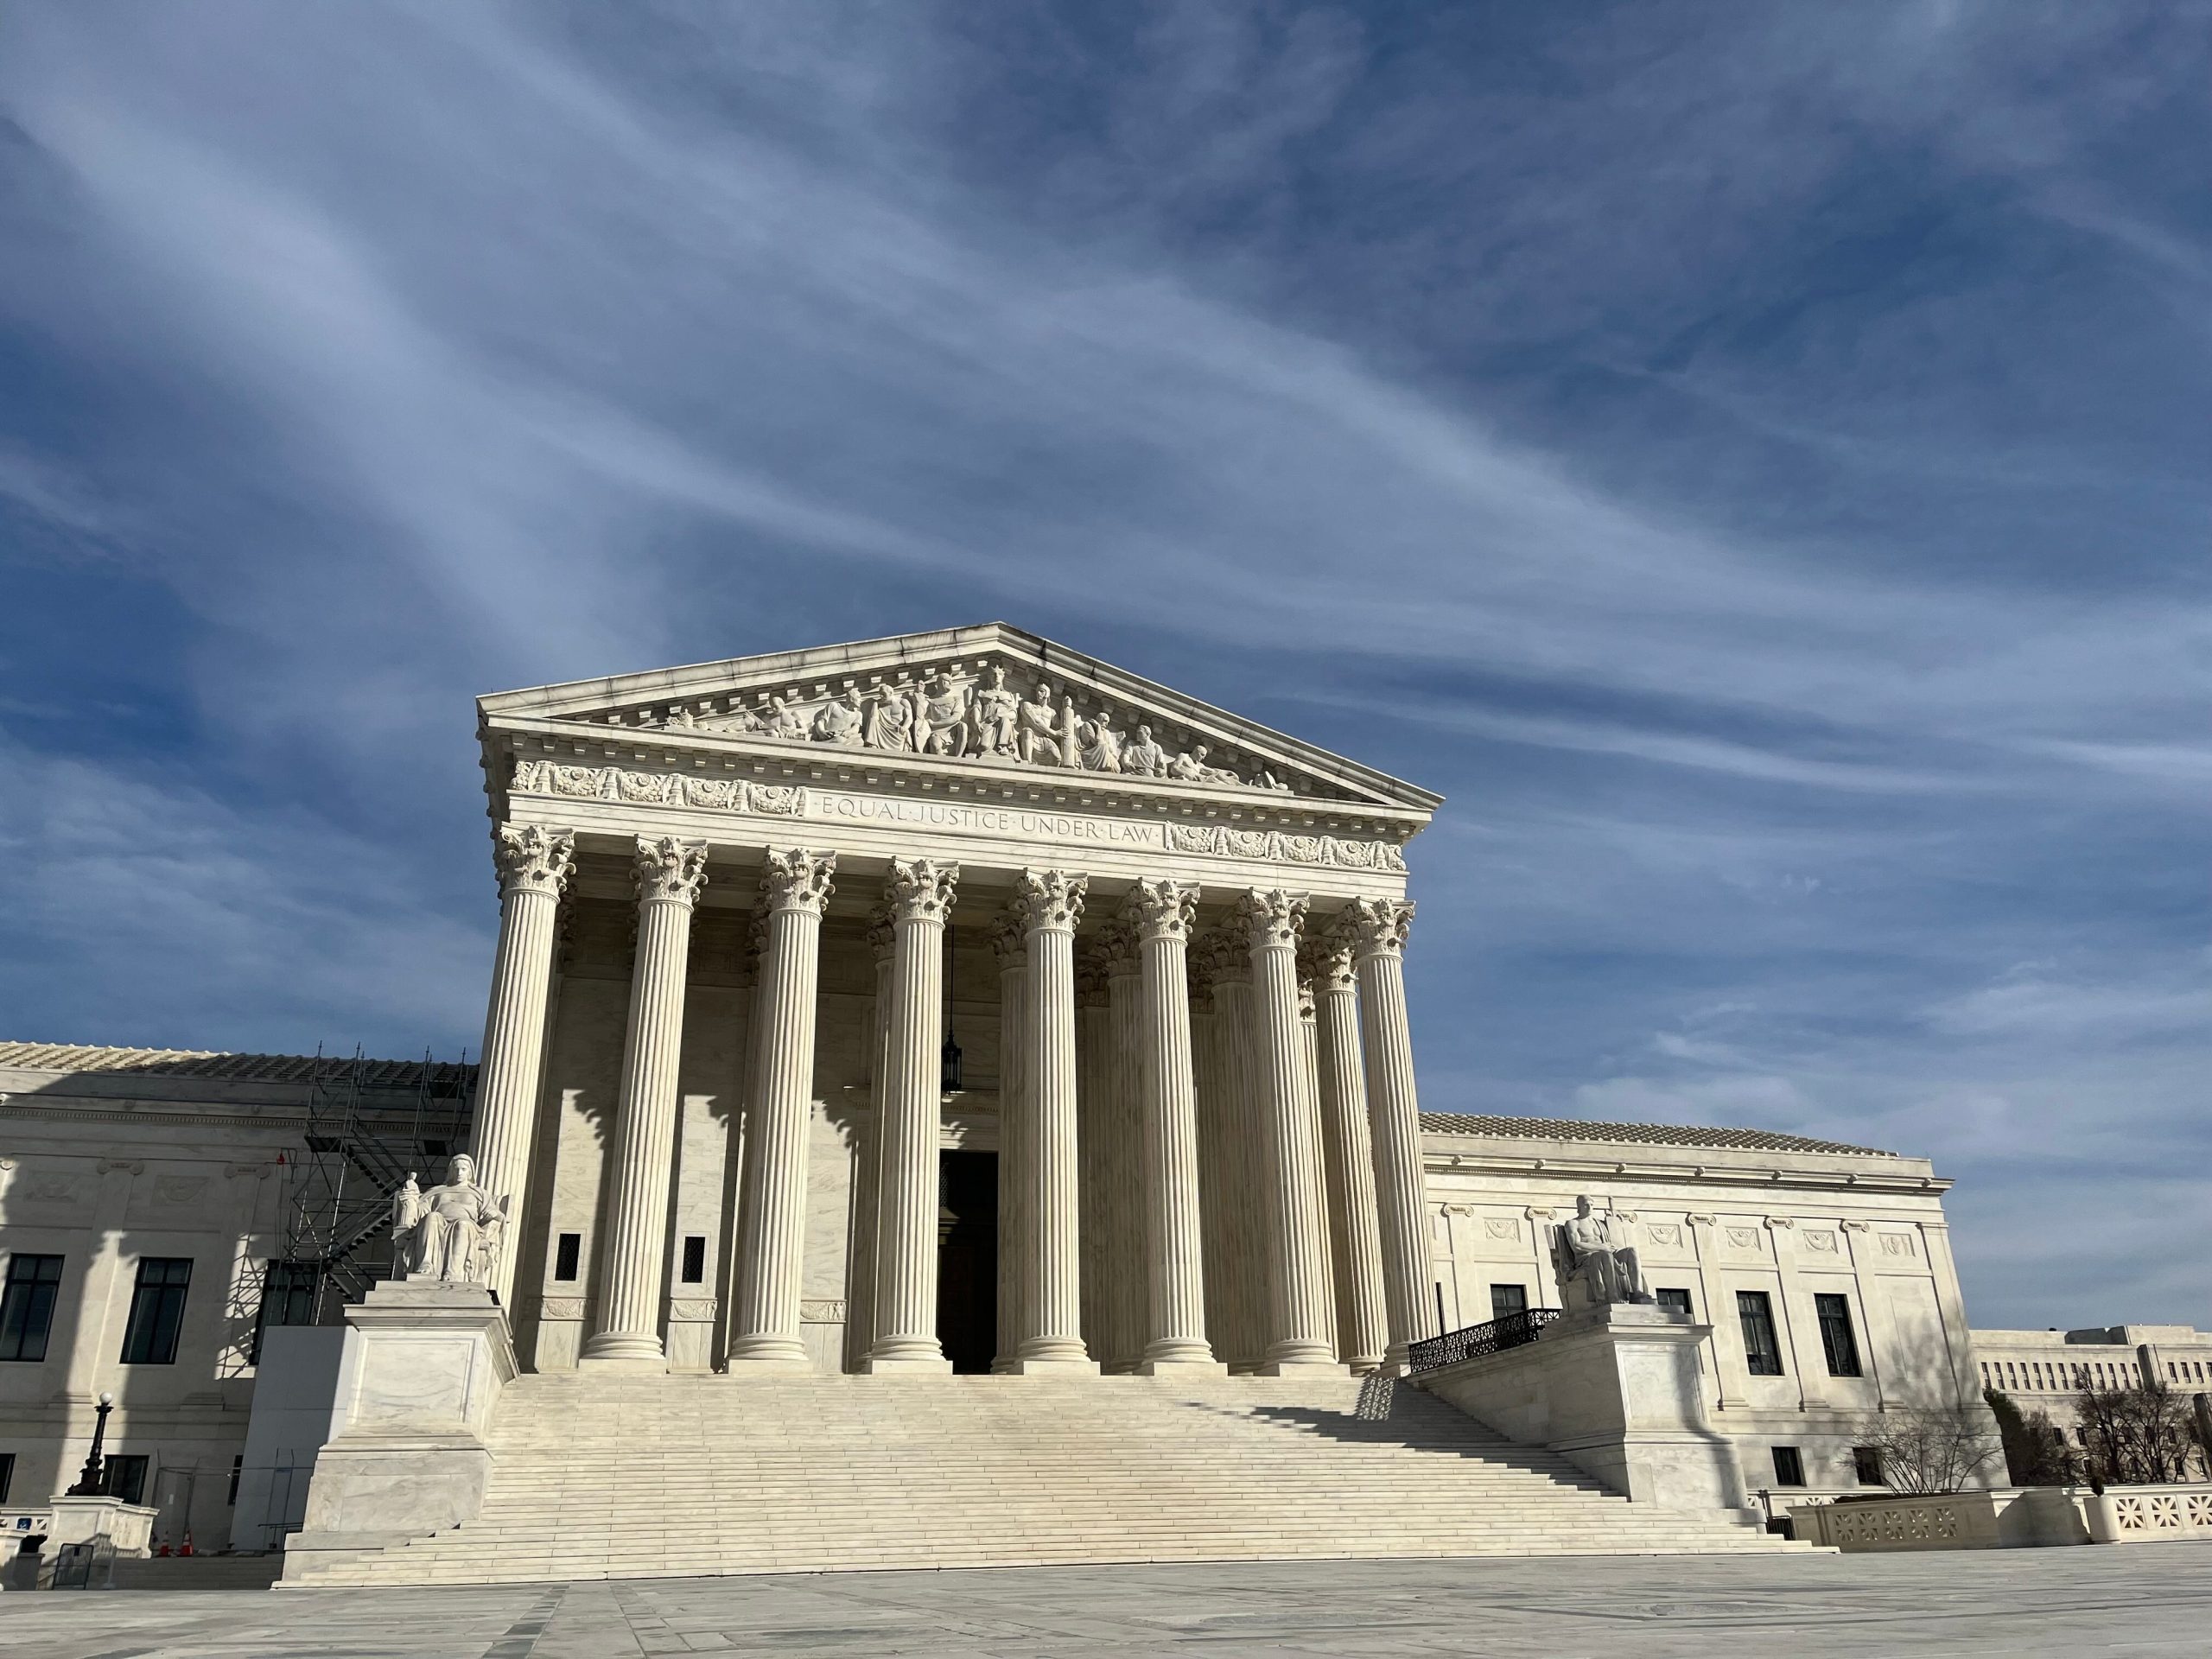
(611, 1475)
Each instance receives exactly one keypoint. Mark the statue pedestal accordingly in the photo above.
(1614, 1388)
(409, 1458)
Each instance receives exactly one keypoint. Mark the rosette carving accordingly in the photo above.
(670, 869)
(532, 859)
(799, 879)
(1050, 901)
(920, 889)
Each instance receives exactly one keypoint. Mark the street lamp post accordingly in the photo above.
(90, 1482)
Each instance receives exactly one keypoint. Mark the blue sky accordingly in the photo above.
(1750, 459)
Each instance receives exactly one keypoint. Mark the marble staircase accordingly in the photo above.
(615, 1475)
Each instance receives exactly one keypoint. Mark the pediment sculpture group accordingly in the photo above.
(453, 1233)
(981, 718)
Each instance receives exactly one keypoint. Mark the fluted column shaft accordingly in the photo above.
(670, 874)
(1299, 1333)
(1362, 1328)
(867, 1156)
(1124, 1209)
(920, 892)
(1379, 929)
(533, 866)
(1050, 902)
(1008, 939)
(1240, 1315)
(772, 1231)
(1174, 1263)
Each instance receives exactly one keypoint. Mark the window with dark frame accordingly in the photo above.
(1506, 1301)
(123, 1474)
(566, 1249)
(287, 1297)
(1788, 1466)
(27, 1305)
(157, 1312)
(1866, 1466)
(1762, 1347)
(6, 1473)
(1836, 1335)
(238, 1468)
(1677, 1302)
(695, 1259)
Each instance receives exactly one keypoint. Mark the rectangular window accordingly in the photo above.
(1675, 1301)
(1866, 1464)
(287, 1297)
(695, 1259)
(565, 1253)
(1762, 1349)
(157, 1312)
(1836, 1335)
(6, 1473)
(27, 1305)
(1506, 1301)
(124, 1475)
(1788, 1466)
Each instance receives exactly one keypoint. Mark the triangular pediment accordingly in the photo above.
(991, 697)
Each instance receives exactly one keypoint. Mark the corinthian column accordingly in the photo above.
(1362, 1330)
(867, 1157)
(1049, 903)
(534, 865)
(1298, 1336)
(670, 873)
(919, 892)
(772, 1231)
(1009, 943)
(1174, 1265)
(1379, 927)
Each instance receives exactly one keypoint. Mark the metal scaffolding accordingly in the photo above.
(370, 1124)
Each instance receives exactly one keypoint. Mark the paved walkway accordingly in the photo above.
(2146, 1599)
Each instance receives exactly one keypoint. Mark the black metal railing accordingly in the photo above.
(1478, 1340)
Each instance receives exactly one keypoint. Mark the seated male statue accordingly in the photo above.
(1601, 1256)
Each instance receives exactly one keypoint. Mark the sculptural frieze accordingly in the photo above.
(974, 713)
(452, 1233)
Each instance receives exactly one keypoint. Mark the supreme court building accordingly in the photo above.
(948, 1071)
(952, 1001)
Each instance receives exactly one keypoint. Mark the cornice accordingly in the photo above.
(1703, 1174)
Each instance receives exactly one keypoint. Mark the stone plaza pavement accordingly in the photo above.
(2137, 1600)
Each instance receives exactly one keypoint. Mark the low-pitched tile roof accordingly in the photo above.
(207, 1063)
(1648, 1134)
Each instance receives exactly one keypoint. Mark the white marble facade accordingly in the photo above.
(745, 905)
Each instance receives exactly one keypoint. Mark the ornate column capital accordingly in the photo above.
(883, 933)
(1379, 926)
(798, 880)
(1159, 908)
(1219, 955)
(531, 858)
(1119, 952)
(1324, 961)
(920, 889)
(1091, 980)
(1009, 939)
(1272, 916)
(670, 871)
(1050, 901)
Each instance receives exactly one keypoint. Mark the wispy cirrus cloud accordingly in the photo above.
(1750, 467)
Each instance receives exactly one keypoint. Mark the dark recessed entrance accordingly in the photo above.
(968, 1258)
